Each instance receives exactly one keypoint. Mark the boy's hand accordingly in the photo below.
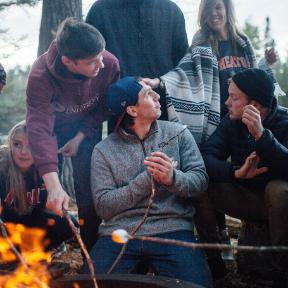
(160, 166)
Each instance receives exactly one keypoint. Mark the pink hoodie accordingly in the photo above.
(56, 98)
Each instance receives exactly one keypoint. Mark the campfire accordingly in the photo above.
(31, 260)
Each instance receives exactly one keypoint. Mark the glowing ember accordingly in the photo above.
(33, 272)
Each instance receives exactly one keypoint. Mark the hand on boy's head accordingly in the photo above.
(161, 168)
(153, 83)
(252, 119)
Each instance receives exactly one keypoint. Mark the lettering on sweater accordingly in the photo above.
(32, 198)
(232, 62)
(76, 108)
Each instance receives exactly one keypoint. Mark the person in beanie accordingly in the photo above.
(253, 186)
(140, 151)
(2, 78)
(65, 105)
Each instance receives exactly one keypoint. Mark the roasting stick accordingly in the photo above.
(14, 249)
(12, 246)
(138, 226)
(82, 246)
(121, 236)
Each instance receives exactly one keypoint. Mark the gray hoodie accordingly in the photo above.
(121, 185)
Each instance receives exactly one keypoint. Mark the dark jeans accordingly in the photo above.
(81, 173)
(165, 260)
(270, 205)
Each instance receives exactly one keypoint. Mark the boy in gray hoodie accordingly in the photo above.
(143, 152)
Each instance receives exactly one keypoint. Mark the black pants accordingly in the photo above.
(81, 173)
(259, 205)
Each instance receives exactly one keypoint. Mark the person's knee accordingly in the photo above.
(276, 193)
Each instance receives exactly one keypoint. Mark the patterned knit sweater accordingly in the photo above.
(193, 90)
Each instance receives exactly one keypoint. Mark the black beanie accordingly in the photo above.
(256, 84)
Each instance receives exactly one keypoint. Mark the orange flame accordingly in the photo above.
(30, 242)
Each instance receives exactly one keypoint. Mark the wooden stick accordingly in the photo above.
(209, 245)
(137, 227)
(12, 246)
(82, 246)
(17, 253)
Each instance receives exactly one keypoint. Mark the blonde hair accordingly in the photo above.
(205, 10)
(15, 180)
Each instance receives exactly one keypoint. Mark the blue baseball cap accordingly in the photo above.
(122, 94)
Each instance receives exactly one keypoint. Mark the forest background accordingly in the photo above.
(12, 107)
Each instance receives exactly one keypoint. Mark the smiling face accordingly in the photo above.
(148, 106)
(88, 67)
(236, 102)
(20, 151)
(217, 18)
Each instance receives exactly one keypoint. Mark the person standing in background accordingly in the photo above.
(198, 87)
(147, 36)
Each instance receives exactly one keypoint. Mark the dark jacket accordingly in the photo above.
(232, 138)
(147, 36)
(59, 102)
(35, 196)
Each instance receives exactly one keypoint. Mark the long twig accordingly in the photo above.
(16, 252)
(12, 246)
(137, 227)
(209, 245)
(82, 246)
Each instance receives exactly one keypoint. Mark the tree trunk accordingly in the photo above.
(53, 13)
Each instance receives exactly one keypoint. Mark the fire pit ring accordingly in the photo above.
(122, 281)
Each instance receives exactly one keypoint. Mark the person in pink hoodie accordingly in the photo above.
(65, 107)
